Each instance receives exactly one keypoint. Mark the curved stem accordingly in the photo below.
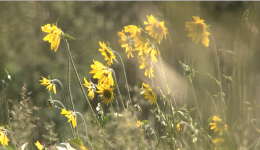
(75, 71)
(118, 89)
(85, 127)
(128, 93)
(219, 77)
(7, 112)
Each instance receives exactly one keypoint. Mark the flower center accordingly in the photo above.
(107, 53)
(200, 28)
(157, 28)
(107, 94)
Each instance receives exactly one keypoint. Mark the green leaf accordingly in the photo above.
(146, 122)
(76, 143)
(213, 78)
(57, 21)
(66, 35)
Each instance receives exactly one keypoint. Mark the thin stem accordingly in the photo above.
(7, 112)
(64, 97)
(75, 71)
(219, 77)
(85, 127)
(128, 93)
(196, 103)
(118, 89)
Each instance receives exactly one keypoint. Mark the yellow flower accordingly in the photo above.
(139, 39)
(178, 127)
(91, 88)
(149, 93)
(49, 84)
(198, 31)
(106, 93)
(156, 29)
(138, 123)
(53, 37)
(3, 138)
(102, 73)
(39, 145)
(148, 67)
(107, 52)
(71, 116)
(125, 41)
(217, 125)
(150, 50)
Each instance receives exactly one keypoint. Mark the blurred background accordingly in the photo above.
(27, 57)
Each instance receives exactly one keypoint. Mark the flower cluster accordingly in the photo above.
(138, 40)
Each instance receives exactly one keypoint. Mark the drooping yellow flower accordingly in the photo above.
(217, 125)
(148, 67)
(71, 116)
(219, 144)
(107, 52)
(138, 123)
(91, 88)
(151, 51)
(156, 29)
(39, 145)
(198, 31)
(139, 39)
(102, 73)
(106, 93)
(149, 93)
(125, 41)
(53, 37)
(49, 84)
(3, 138)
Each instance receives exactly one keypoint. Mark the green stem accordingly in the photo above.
(219, 77)
(118, 89)
(128, 93)
(64, 97)
(75, 71)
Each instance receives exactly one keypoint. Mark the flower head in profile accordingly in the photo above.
(107, 52)
(126, 42)
(155, 28)
(148, 67)
(53, 37)
(151, 51)
(91, 88)
(106, 93)
(149, 93)
(217, 125)
(137, 34)
(49, 84)
(71, 116)
(3, 138)
(39, 145)
(138, 123)
(198, 31)
(102, 73)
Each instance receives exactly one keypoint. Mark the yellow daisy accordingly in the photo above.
(106, 93)
(39, 145)
(198, 31)
(139, 39)
(217, 125)
(107, 52)
(102, 73)
(91, 88)
(71, 116)
(125, 41)
(148, 67)
(3, 138)
(156, 29)
(53, 37)
(49, 84)
(149, 93)
(151, 51)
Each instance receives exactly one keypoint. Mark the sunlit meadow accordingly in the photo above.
(170, 75)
